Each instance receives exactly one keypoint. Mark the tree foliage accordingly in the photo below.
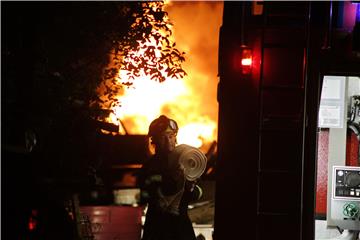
(69, 48)
(146, 49)
(151, 23)
(56, 54)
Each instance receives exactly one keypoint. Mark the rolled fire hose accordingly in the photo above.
(191, 158)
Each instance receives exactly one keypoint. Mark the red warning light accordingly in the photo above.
(243, 60)
(32, 224)
(246, 62)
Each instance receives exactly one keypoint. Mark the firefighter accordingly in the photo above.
(165, 189)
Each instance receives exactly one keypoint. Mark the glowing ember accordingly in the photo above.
(191, 101)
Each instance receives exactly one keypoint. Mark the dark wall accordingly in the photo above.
(265, 179)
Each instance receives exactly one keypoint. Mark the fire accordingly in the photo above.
(195, 134)
(190, 101)
(143, 102)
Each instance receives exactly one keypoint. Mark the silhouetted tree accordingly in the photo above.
(56, 54)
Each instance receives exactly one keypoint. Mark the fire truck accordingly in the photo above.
(273, 59)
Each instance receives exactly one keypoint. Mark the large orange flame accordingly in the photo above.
(191, 101)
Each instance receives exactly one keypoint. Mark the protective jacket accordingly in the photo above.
(158, 183)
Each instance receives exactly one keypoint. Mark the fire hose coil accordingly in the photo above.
(191, 158)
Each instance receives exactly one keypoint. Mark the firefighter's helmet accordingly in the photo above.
(162, 124)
